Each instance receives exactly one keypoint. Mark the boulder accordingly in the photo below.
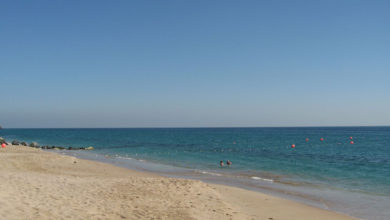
(15, 142)
(89, 148)
(2, 141)
(34, 144)
(23, 143)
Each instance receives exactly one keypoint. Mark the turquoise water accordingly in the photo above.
(256, 153)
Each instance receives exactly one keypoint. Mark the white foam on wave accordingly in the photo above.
(210, 173)
(262, 179)
(128, 158)
(125, 158)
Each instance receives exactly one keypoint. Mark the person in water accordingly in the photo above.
(221, 163)
(228, 162)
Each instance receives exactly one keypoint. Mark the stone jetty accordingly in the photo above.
(45, 147)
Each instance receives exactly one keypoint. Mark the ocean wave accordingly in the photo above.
(210, 173)
(262, 179)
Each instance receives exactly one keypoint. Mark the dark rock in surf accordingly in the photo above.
(34, 144)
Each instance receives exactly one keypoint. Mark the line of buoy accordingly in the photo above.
(322, 139)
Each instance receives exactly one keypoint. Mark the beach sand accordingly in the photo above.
(42, 185)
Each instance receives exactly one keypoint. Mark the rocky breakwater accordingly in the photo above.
(46, 147)
(3, 141)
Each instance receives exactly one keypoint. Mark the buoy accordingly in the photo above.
(350, 138)
(292, 145)
(3, 145)
(321, 139)
(351, 142)
(307, 139)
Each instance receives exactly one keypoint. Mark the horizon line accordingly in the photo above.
(325, 126)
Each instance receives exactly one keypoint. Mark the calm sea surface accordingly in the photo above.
(333, 173)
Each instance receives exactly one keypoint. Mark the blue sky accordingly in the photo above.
(194, 63)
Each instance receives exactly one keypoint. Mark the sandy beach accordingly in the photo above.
(44, 185)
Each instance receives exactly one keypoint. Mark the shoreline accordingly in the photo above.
(323, 198)
(167, 198)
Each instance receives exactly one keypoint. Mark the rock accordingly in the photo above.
(70, 148)
(23, 143)
(34, 144)
(2, 141)
(15, 142)
(89, 148)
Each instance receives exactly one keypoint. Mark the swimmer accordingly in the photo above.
(221, 163)
(228, 162)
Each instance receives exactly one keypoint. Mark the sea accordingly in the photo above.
(342, 169)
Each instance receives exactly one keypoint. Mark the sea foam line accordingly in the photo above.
(210, 173)
(263, 179)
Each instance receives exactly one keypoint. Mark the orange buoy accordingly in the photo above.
(292, 145)
(351, 142)
(307, 139)
(321, 139)
(3, 145)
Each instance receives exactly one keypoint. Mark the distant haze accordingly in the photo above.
(194, 63)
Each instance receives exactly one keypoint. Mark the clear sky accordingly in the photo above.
(194, 63)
